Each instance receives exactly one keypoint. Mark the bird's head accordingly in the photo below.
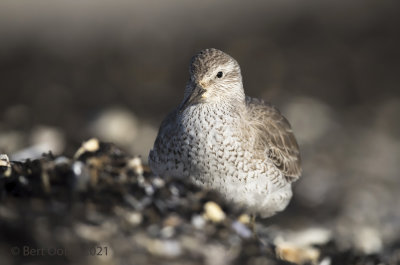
(214, 78)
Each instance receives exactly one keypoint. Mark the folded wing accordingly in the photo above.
(275, 137)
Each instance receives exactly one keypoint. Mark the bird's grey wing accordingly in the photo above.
(275, 136)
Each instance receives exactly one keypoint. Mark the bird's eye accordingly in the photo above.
(220, 74)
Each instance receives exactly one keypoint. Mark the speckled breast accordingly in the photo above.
(210, 144)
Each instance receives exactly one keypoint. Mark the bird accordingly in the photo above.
(222, 140)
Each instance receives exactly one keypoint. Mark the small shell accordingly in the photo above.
(244, 219)
(5, 162)
(213, 212)
(136, 165)
(91, 145)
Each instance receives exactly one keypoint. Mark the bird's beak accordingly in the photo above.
(193, 98)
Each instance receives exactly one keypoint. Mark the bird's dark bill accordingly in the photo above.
(194, 98)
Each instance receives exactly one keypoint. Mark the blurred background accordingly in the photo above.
(71, 70)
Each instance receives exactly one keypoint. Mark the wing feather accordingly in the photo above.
(275, 137)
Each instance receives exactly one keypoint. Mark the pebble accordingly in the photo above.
(163, 248)
(368, 240)
(296, 254)
(23, 180)
(298, 246)
(5, 163)
(172, 220)
(198, 221)
(62, 160)
(158, 182)
(244, 219)
(213, 212)
(241, 229)
(134, 218)
(325, 261)
(95, 233)
(82, 177)
(136, 165)
(167, 232)
(306, 237)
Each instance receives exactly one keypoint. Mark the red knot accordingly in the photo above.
(223, 140)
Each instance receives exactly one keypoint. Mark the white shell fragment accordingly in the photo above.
(213, 212)
(5, 162)
(91, 145)
(136, 165)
